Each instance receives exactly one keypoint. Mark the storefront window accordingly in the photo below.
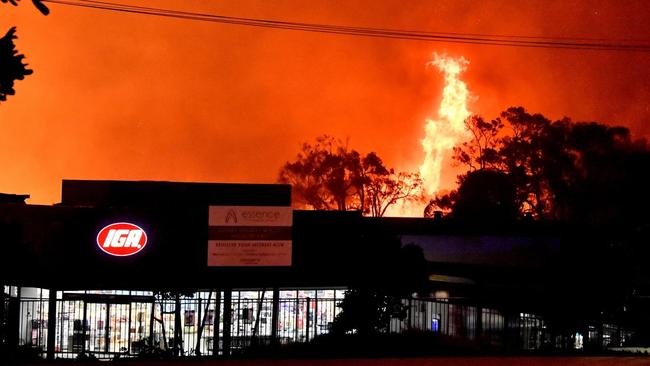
(12, 291)
(106, 322)
(33, 316)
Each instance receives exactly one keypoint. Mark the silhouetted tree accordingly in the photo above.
(384, 187)
(537, 158)
(481, 151)
(325, 176)
(365, 311)
(609, 183)
(12, 67)
(562, 170)
(329, 176)
(395, 272)
(486, 196)
(37, 3)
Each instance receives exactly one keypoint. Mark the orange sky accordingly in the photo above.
(124, 96)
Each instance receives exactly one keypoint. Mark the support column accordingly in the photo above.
(216, 322)
(151, 320)
(83, 328)
(13, 321)
(600, 328)
(51, 324)
(410, 314)
(308, 318)
(274, 317)
(479, 322)
(2, 314)
(178, 338)
(227, 320)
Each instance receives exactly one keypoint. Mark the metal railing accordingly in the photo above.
(4, 318)
(134, 325)
(128, 329)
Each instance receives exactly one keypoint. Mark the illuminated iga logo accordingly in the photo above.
(121, 239)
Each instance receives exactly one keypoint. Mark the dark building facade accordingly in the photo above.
(215, 268)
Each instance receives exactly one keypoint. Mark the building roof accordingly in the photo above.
(13, 198)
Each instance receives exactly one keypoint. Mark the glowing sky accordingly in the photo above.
(125, 96)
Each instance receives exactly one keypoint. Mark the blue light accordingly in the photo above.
(434, 325)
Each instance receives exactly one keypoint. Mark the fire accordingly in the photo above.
(443, 133)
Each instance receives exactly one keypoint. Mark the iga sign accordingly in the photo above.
(121, 239)
(244, 236)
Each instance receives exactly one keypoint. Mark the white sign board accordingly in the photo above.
(242, 236)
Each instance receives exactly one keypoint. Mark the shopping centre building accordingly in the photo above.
(119, 267)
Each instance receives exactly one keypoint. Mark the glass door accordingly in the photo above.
(94, 326)
(117, 338)
(107, 328)
(140, 325)
(104, 325)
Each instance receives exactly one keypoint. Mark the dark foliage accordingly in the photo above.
(486, 196)
(395, 272)
(579, 172)
(37, 3)
(329, 176)
(12, 67)
(23, 354)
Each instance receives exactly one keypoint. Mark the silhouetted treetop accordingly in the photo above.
(486, 196)
(12, 67)
(37, 3)
(11, 62)
(398, 271)
(560, 170)
(327, 175)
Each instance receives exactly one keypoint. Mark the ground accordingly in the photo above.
(437, 361)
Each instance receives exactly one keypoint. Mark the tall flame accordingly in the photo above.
(443, 133)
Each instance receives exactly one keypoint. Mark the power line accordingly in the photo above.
(396, 30)
(466, 38)
(375, 32)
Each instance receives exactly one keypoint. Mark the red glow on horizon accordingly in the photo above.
(125, 96)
